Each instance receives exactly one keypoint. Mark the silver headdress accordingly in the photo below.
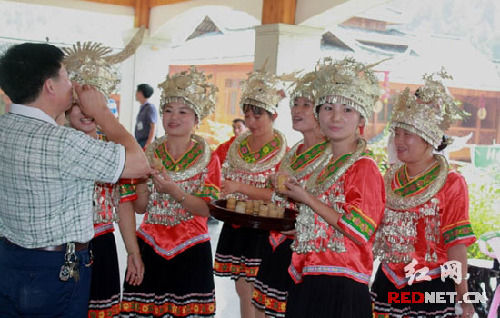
(261, 89)
(91, 63)
(191, 88)
(429, 112)
(347, 82)
(303, 87)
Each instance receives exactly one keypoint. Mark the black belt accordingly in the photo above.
(54, 248)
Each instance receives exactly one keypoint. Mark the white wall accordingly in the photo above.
(326, 13)
(164, 20)
(64, 26)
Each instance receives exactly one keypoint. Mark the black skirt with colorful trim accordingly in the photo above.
(323, 296)
(105, 280)
(382, 286)
(273, 280)
(239, 252)
(180, 287)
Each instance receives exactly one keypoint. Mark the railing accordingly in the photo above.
(480, 279)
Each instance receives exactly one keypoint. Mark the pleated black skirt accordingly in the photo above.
(239, 252)
(382, 286)
(273, 280)
(322, 296)
(105, 280)
(180, 287)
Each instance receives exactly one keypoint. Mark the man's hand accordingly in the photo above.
(92, 101)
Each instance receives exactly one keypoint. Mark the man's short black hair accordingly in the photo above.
(239, 120)
(146, 90)
(24, 68)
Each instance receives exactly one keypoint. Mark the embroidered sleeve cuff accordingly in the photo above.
(210, 192)
(128, 198)
(459, 233)
(296, 276)
(357, 224)
(127, 192)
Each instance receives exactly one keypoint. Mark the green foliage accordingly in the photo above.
(379, 149)
(484, 203)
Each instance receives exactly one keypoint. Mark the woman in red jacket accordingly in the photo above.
(341, 204)
(173, 238)
(426, 222)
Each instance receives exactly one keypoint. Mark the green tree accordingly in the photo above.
(484, 203)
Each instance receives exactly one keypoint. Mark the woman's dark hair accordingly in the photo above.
(316, 110)
(256, 110)
(444, 143)
(24, 68)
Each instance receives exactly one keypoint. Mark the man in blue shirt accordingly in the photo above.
(145, 127)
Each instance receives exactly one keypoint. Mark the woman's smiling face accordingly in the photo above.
(178, 119)
(339, 122)
(259, 124)
(303, 115)
(79, 120)
(410, 147)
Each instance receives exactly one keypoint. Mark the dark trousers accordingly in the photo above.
(30, 285)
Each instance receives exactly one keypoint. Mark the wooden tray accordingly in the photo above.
(219, 211)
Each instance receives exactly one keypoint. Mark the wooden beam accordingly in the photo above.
(155, 3)
(278, 11)
(128, 3)
(142, 8)
(132, 3)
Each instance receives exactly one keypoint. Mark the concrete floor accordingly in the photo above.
(227, 301)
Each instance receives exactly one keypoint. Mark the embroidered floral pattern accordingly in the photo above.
(268, 149)
(457, 233)
(127, 192)
(407, 187)
(189, 309)
(236, 270)
(189, 173)
(334, 165)
(309, 156)
(331, 168)
(360, 223)
(184, 162)
(209, 191)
